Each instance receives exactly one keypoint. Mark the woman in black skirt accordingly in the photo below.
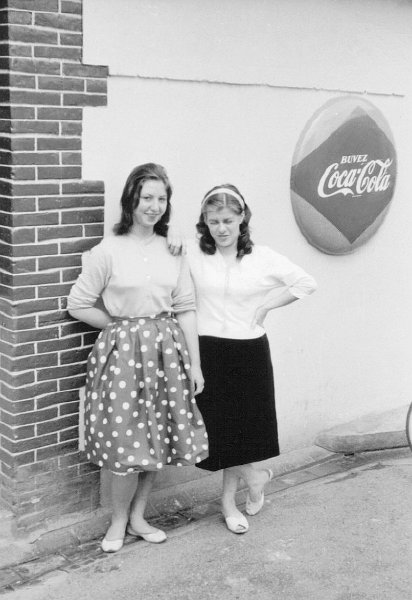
(237, 284)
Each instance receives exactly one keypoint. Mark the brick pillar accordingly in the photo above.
(48, 217)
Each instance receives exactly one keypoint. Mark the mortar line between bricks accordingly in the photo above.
(80, 559)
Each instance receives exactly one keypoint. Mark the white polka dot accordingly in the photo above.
(180, 426)
(188, 456)
(97, 445)
(139, 365)
(133, 394)
(142, 321)
(148, 379)
(93, 360)
(129, 432)
(160, 427)
(92, 418)
(150, 363)
(168, 351)
(104, 455)
(172, 403)
(141, 384)
(122, 384)
(104, 421)
(173, 389)
(174, 451)
(92, 430)
(143, 348)
(169, 459)
(91, 374)
(148, 403)
(159, 465)
(175, 438)
(145, 461)
(104, 377)
(164, 402)
(122, 334)
(182, 411)
(188, 440)
(117, 371)
(103, 359)
(167, 440)
(112, 396)
(130, 458)
(126, 347)
(110, 409)
(135, 413)
(100, 463)
(187, 366)
(120, 450)
(140, 425)
(100, 434)
(151, 451)
(173, 365)
(117, 465)
(100, 407)
(146, 333)
(136, 444)
(94, 396)
(101, 345)
(109, 444)
(115, 434)
(189, 415)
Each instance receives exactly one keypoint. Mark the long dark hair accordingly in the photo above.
(131, 196)
(221, 200)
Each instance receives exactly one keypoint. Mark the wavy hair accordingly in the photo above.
(131, 197)
(222, 200)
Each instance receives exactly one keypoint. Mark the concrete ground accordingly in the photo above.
(340, 530)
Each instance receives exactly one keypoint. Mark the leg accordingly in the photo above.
(235, 520)
(139, 502)
(123, 488)
(255, 479)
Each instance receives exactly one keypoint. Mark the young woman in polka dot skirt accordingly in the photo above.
(144, 369)
(237, 284)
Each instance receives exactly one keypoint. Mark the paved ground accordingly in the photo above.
(341, 530)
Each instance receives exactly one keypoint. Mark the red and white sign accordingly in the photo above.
(343, 175)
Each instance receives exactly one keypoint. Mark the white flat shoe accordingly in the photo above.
(237, 524)
(157, 537)
(252, 508)
(111, 545)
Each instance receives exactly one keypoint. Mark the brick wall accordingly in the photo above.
(48, 217)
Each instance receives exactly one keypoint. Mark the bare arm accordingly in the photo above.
(272, 300)
(92, 316)
(187, 321)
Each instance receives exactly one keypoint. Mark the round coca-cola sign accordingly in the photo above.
(343, 175)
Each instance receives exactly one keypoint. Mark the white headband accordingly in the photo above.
(224, 190)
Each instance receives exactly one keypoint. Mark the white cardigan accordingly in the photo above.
(228, 296)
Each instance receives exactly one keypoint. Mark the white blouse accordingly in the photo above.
(228, 296)
(134, 278)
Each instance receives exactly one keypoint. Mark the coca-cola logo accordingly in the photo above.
(343, 175)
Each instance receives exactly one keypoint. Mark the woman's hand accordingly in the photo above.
(175, 241)
(197, 378)
(260, 316)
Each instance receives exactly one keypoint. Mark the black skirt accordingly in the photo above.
(238, 401)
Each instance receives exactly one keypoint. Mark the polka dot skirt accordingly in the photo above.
(140, 411)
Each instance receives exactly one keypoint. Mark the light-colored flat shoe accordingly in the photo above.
(157, 537)
(111, 545)
(237, 524)
(252, 508)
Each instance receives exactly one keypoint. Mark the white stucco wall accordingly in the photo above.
(219, 91)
